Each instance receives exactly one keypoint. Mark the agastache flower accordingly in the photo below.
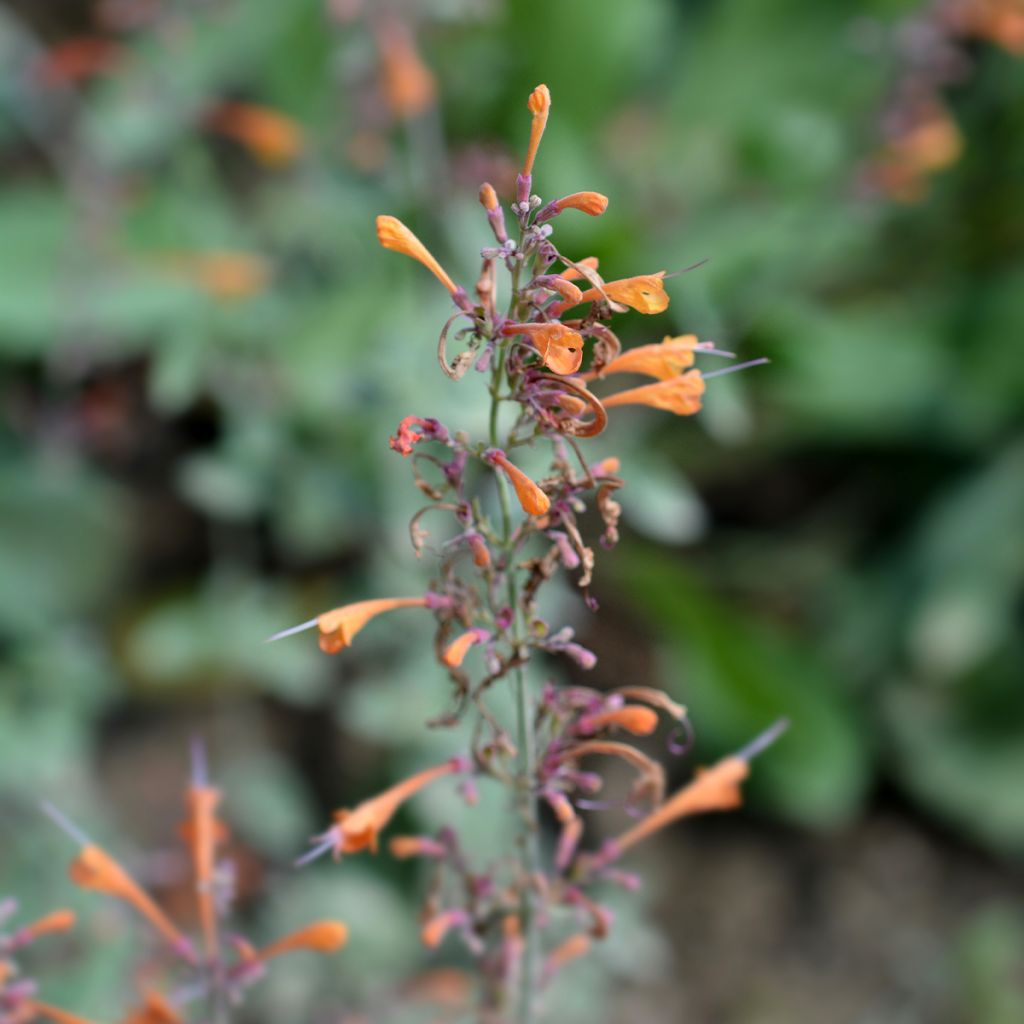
(319, 937)
(95, 869)
(269, 136)
(644, 293)
(408, 84)
(202, 832)
(633, 718)
(358, 829)
(662, 361)
(681, 395)
(539, 104)
(414, 429)
(394, 235)
(560, 348)
(339, 626)
(495, 215)
(533, 500)
(455, 652)
(591, 203)
(155, 1009)
(714, 789)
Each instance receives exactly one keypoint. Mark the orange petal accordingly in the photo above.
(560, 348)
(409, 85)
(532, 499)
(271, 137)
(571, 949)
(405, 847)
(339, 626)
(394, 235)
(645, 293)
(456, 651)
(95, 869)
(634, 718)
(488, 197)
(592, 203)
(437, 927)
(681, 395)
(202, 832)
(358, 829)
(714, 789)
(539, 105)
(155, 1010)
(572, 274)
(57, 921)
(607, 467)
(320, 937)
(662, 361)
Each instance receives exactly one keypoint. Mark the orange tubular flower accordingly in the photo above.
(560, 348)
(662, 361)
(634, 718)
(437, 927)
(95, 869)
(681, 395)
(571, 949)
(394, 235)
(715, 789)
(539, 104)
(339, 626)
(359, 829)
(606, 467)
(57, 921)
(409, 85)
(404, 847)
(591, 203)
(320, 937)
(533, 500)
(271, 137)
(645, 293)
(155, 1010)
(455, 652)
(202, 832)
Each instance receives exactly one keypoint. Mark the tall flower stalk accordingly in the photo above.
(526, 916)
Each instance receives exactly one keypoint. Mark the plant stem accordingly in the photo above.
(526, 803)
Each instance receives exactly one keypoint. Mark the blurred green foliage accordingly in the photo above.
(836, 538)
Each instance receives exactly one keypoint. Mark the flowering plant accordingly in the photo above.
(511, 916)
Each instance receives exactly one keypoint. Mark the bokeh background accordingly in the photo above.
(203, 351)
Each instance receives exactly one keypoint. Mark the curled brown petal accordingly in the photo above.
(651, 783)
(575, 426)
(461, 363)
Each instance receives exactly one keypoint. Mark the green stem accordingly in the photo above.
(528, 840)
